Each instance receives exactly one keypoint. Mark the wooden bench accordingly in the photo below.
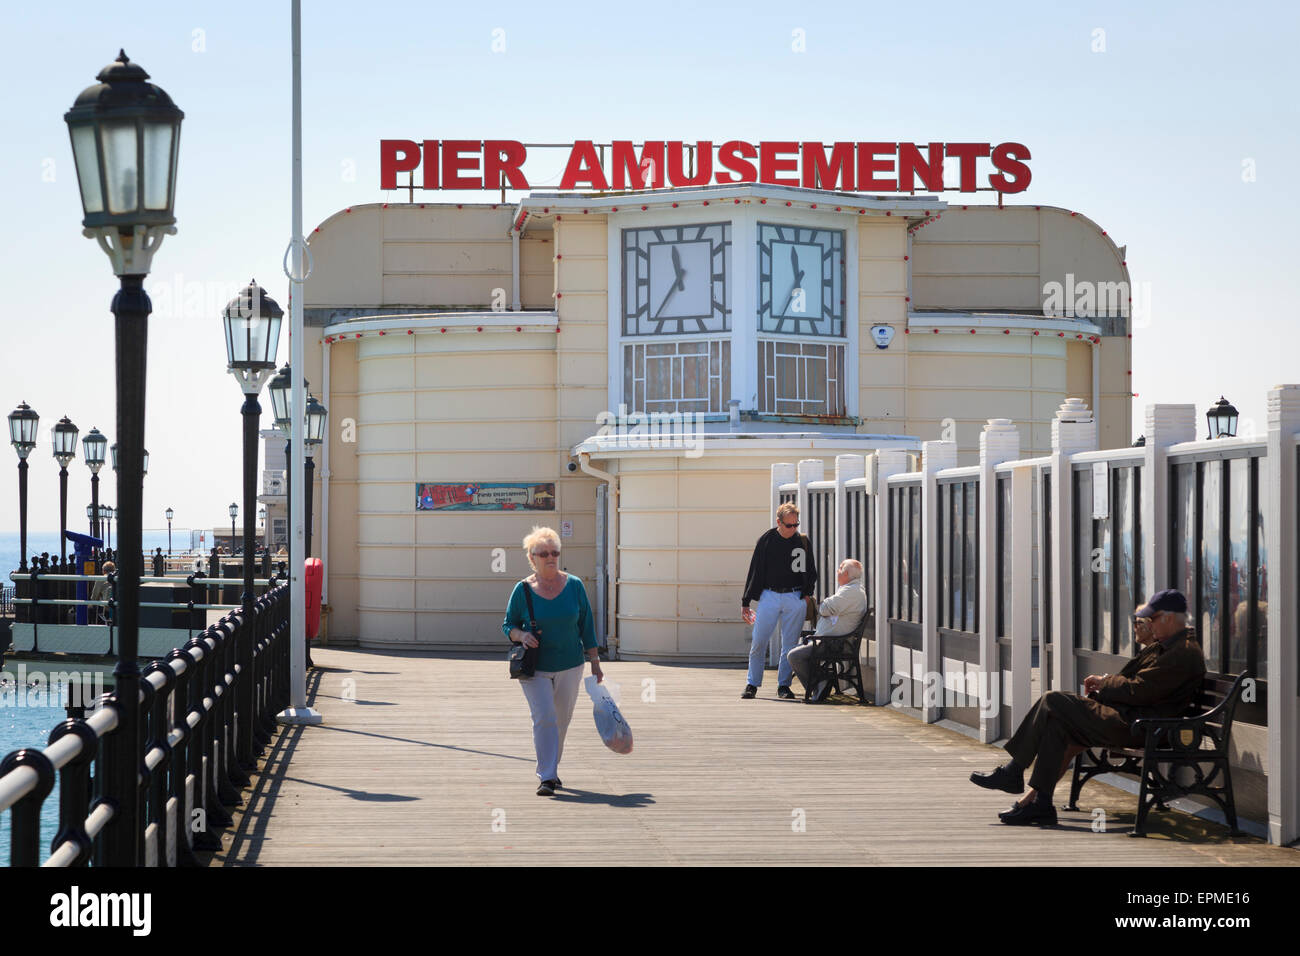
(1196, 743)
(835, 659)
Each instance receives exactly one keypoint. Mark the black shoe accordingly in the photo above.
(546, 788)
(558, 785)
(750, 691)
(784, 692)
(1031, 814)
(1008, 781)
(822, 693)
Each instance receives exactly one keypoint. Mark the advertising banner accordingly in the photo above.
(485, 496)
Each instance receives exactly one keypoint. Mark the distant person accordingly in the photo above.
(1161, 680)
(563, 616)
(103, 592)
(781, 573)
(839, 614)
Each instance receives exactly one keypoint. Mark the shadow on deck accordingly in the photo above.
(428, 759)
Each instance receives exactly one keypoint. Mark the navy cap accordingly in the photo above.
(1168, 600)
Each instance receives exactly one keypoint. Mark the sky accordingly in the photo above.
(1172, 125)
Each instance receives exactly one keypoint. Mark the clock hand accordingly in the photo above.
(798, 282)
(671, 289)
(677, 268)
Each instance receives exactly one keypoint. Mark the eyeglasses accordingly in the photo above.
(546, 554)
(784, 525)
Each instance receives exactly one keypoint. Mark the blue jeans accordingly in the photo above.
(787, 611)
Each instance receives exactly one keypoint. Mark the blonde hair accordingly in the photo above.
(536, 537)
(785, 509)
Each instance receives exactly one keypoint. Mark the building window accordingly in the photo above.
(676, 290)
(801, 285)
(691, 376)
(800, 378)
(280, 531)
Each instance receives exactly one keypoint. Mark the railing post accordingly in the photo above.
(935, 457)
(1165, 425)
(25, 815)
(1019, 610)
(197, 748)
(889, 462)
(1074, 430)
(847, 467)
(999, 442)
(178, 765)
(159, 813)
(74, 789)
(1279, 478)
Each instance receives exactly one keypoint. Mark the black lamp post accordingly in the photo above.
(125, 135)
(170, 515)
(1221, 419)
(281, 390)
(313, 435)
(93, 447)
(90, 520)
(65, 449)
(105, 524)
(252, 325)
(234, 513)
(23, 425)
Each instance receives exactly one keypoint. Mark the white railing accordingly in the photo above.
(1032, 570)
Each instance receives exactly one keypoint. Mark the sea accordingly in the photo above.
(27, 715)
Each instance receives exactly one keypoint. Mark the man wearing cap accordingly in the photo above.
(1161, 680)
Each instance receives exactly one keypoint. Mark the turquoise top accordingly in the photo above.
(565, 622)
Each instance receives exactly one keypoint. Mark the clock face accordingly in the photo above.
(800, 280)
(675, 279)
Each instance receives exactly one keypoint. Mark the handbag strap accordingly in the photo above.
(532, 615)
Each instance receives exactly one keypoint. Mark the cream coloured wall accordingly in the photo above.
(435, 407)
(422, 254)
(687, 529)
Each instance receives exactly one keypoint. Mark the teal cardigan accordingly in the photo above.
(565, 621)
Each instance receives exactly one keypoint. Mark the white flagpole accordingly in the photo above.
(298, 712)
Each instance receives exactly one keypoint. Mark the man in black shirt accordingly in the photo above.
(781, 574)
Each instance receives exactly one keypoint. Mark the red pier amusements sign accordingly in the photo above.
(845, 167)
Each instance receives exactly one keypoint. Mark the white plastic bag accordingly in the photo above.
(609, 720)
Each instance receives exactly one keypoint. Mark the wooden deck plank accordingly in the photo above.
(434, 749)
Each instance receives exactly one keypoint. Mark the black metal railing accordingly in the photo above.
(193, 729)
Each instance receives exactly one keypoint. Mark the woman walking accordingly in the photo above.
(563, 615)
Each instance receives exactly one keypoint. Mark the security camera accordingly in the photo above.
(572, 466)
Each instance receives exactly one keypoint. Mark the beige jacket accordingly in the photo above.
(842, 611)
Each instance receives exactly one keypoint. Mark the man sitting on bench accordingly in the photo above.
(1162, 680)
(838, 614)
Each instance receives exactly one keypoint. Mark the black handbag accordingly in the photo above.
(523, 660)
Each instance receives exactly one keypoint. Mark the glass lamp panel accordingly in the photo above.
(1231, 428)
(87, 158)
(158, 164)
(170, 514)
(272, 342)
(121, 165)
(144, 469)
(94, 445)
(113, 452)
(315, 423)
(234, 511)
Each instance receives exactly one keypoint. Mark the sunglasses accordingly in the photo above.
(546, 554)
(784, 525)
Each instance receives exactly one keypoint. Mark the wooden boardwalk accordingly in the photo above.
(428, 760)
